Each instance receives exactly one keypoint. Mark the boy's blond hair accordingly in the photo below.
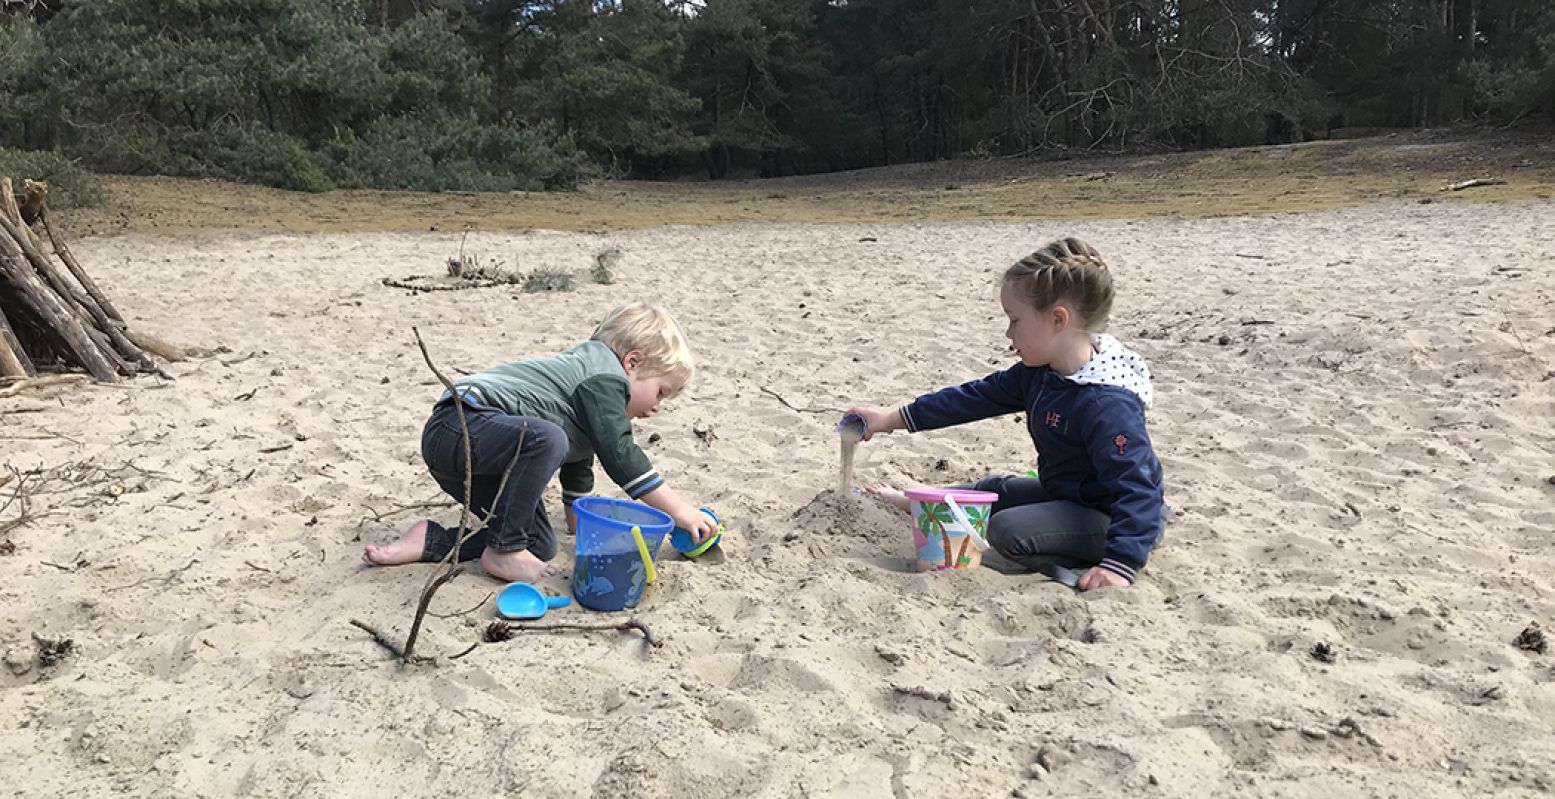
(653, 332)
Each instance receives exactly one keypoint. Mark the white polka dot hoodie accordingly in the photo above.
(1089, 432)
(1116, 365)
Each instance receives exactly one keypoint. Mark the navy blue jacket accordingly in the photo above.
(1092, 448)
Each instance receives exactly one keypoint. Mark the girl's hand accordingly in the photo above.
(1097, 577)
(879, 420)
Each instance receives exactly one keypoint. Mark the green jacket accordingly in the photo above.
(583, 390)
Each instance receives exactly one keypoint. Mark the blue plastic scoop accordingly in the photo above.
(524, 601)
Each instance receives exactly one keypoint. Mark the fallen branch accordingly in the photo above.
(383, 640)
(791, 406)
(1469, 184)
(19, 386)
(171, 353)
(18, 497)
(1513, 327)
(472, 609)
(406, 284)
(398, 509)
(495, 634)
(166, 579)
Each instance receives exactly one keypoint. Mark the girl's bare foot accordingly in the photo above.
(891, 496)
(406, 550)
(515, 567)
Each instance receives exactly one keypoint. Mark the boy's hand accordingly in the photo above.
(699, 525)
(879, 420)
(686, 517)
(1097, 577)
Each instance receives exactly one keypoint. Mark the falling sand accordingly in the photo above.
(850, 434)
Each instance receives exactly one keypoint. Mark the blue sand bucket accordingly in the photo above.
(609, 570)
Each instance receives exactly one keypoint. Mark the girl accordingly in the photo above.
(1098, 503)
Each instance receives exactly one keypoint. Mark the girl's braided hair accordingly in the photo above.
(1068, 271)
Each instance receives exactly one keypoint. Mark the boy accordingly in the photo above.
(574, 406)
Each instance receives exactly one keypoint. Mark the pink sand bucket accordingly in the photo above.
(949, 526)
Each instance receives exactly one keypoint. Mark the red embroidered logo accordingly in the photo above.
(1121, 441)
(1052, 419)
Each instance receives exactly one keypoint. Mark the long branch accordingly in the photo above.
(437, 580)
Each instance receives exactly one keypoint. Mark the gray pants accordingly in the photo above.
(519, 521)
(1034, 531)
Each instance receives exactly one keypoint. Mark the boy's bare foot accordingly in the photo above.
(891, 496)
(406, 550)
(515, 567)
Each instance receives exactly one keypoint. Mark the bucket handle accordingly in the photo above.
(961, 519)
(642, 552)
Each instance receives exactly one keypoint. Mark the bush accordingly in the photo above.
(604, 270)
(70, 186)
(548, 278)
(440, 154)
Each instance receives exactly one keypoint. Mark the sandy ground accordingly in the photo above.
(1353, 407)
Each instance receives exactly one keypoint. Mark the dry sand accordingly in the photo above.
(1354, 409)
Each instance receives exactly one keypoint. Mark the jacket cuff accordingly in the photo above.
(907, 420)
(1121, 567)
(642, 484)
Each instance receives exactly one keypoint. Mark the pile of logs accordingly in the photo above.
(53, 317)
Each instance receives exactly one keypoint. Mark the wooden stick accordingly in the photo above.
(421, 607)
(11, 212)
(1469, 184)
(84, 308)
(625, 626)
(74, 266)
(472, 609)
(465, 531)
(383, 640)
(13, 359)
(155, 346)
(49, 309)
(32, 206)
(37, 382)
(105, 346)
(791, 406)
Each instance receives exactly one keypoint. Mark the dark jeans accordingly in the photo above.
(520, 521)
(1034, 530)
